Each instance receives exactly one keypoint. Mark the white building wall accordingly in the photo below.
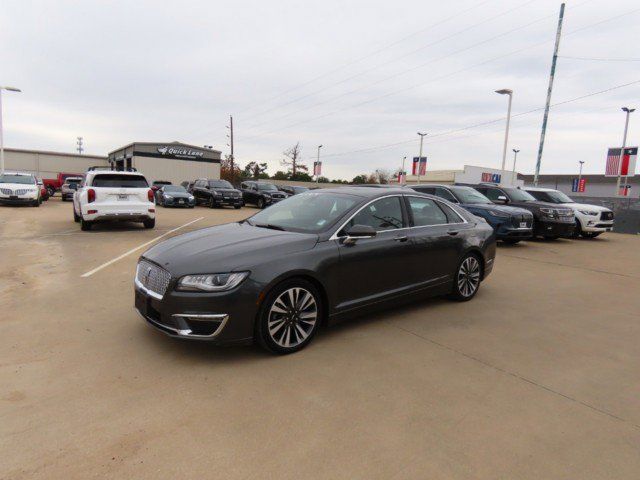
(174, 170)
(49, 164)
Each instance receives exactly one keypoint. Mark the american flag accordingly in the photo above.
(626, 167)
(419, 166)
(317, 168)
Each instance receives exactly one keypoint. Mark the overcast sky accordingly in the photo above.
(350, 75)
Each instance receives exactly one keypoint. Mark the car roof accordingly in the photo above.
(26, 174)
(538, 189)
(363, 191)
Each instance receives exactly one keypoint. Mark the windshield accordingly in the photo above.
(518, 195)
(114, 180)
(267, 187)
(308, 212)
(558, 197)
(174, 189)
(469, 195)
(219, 184)
(21, 179)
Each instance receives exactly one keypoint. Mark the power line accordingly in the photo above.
(371, 54)
(441, 77)
(488, 122)
(440, 40)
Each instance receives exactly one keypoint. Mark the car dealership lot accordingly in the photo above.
(537, 377)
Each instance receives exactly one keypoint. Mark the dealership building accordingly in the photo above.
(171, 161)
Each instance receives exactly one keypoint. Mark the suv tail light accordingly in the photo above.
(91, 195)
(150, 195)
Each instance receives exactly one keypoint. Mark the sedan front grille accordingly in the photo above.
(152, 277)
(22, 191)
(6, 191)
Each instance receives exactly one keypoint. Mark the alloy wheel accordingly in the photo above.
(292, 317)
(469, 276)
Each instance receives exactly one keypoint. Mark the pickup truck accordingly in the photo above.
(54, 184)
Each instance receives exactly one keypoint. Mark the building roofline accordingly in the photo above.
(47, 152)
(175, 142)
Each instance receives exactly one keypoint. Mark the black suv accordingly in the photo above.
(549, 221)
(261, 194)
(216, 193)
(293, 189)
(510, 223)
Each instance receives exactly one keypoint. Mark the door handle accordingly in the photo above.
(453, 232)
(400, 238)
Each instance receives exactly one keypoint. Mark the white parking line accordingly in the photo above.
(114, 260)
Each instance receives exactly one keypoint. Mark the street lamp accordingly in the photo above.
(513, 172)
(422, 135)
(318, 163)
(628, 112)
(9, 89)
(506, 91)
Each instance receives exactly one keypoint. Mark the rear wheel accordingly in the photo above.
(149, 223)
(290, 316)
(85, 225)
(466, 281)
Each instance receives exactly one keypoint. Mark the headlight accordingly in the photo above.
(168, 197)
(588, 212)
(548, 211)
(216, 193)
(191, 197)
(499, 214)
(266, 195)
(214, 282)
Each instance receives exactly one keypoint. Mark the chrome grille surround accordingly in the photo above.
(152, 278)
(6, 191)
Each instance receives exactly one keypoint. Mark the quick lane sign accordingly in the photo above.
(180, 152)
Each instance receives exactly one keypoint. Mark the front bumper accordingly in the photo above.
(18, 200)
(554, 229)
(224, 318)
(594, 224)
(230, 201)
(522, 233)
(178, 202)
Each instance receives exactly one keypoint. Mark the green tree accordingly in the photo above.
(323, 180)
(255, 170)
(359, 179)
(280, 175)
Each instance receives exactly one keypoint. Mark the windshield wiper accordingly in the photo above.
(269, 225)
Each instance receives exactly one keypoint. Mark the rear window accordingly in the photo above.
(114, 180)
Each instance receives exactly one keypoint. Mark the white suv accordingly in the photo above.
(19, 188)
(591, 220)
(114, 195)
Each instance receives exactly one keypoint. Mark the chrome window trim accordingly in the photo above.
(440, 200)
(335, 236)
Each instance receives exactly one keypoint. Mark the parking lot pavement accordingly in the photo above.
(537, 377)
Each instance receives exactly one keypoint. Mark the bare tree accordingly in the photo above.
(293, 160)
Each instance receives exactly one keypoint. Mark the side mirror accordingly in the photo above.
(207, 187)
(357, 232)
(502, 199)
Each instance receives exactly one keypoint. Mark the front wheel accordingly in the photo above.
(212, 204)
(551, 237)
(149, 223)
(237, 207)
(260, 203)
(290, 316)
(590, 234)
(466, 281)
(51, 191)
(511, 241)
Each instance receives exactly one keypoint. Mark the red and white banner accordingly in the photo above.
(419, 166)
(317, 168)
(402, 177)
(617, 166)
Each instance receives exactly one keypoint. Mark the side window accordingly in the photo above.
(492, 193)
(429, 190)
(446, 194)
(452, 215)
(383, 214)
(542, 196)
(426, 212)
(243, 186)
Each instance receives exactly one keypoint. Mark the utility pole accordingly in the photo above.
(506, 91)
(628, 111)
(79, 143)
(549, 90)
(9, 89)
(513, 171)
(422, 135)
(231, 157)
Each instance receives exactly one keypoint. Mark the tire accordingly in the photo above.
(590, 234)
(51, 191)
(149, 223)
(85, 225)
(237, 207)
(260, 203)
(294, 328)
(551, 238)
(577, 231)
(76, 217)
(212, 204)
(467, 278)
(36, 203)
(511, 241)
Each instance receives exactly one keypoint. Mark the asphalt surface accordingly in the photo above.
(537, 378)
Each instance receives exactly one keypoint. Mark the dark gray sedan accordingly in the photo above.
(313, 258)
(175, 196)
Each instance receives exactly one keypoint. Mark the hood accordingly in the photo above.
(226, 190)
(496, 208)
(585, 206)
(539, 204)
(225, 248)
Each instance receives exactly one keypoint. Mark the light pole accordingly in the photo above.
(513, 172)
(422, 135)
(506, 91)
(318, 163)
(628, 111)
(581, 162)
(9, 89)
(403, 175)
